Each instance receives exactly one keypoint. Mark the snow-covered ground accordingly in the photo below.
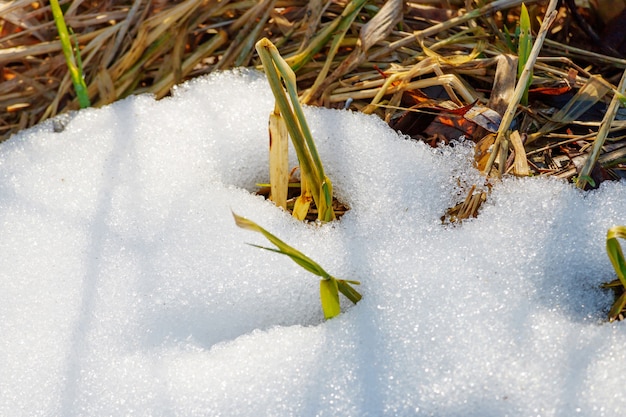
(127, 288)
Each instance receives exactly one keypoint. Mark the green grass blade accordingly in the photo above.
(71, 56)
(329, 285)
(276, 68)
(524, 47)
(81, 86)
(283, 248)
(264, 48)
(290, 83)
(348, 291)
(325, 208)
(614, 250)
(299, 258)
(617, 307)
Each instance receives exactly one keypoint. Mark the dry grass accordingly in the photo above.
(363, 55)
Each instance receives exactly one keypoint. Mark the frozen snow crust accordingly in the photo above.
(127, 289)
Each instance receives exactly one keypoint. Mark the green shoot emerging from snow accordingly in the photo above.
(288, 117)
(329, 285)
(614, 250)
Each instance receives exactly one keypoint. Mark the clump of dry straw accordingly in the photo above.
(380, 57)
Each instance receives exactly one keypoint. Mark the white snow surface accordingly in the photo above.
(127, 289)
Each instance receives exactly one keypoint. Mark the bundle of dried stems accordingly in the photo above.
(383, 57)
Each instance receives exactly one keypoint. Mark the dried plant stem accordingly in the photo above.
(137, 46)
(572, 50)
(590, 93)
(603, 131)
(340, 33)
(163, 86)
(374, 31)
(521, 86)
(448, 24)
(318, 42)
(279, 159)
(446, 79)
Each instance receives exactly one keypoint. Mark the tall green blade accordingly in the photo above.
(277, 71)
(72, 57)
(283, 248)
(523, 49)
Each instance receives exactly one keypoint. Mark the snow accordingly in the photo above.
(127, 289)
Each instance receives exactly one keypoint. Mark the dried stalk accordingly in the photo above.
(585, 172)
(521, 86)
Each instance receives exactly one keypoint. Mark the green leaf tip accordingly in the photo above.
(72, 55)
(614, 251)
(329, 285)
(525, 44)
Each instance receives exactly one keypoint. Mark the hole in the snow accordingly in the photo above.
(293, 193)
(468, 207)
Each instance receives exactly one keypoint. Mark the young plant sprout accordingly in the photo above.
(288, 117)
(329, 285)
(72, 56)
(614, 250)
(524, 46)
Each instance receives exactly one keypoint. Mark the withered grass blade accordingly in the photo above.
(522, 84)
(303, 202)
(135, 46)
(520, 164)
(321, 39)
(279, 159)
(247, 28)
(371, 33)
(503, 83)
(603, 131)
(342, 28)
(310, 24)
(592, 92)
